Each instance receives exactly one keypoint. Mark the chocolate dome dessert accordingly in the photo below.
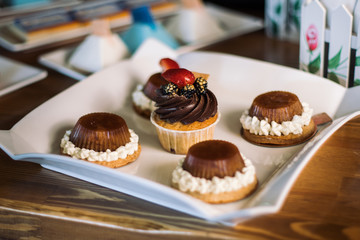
(276, 106)
(277, 118)
(100, 131)
(155, 82)
(101, 138)
(144, 95)
(212, 158)
(214, 171)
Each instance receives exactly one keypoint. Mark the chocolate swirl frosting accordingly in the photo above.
(186, 110)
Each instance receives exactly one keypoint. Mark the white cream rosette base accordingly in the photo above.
(121, 156)
(216, 190)
(298, 130)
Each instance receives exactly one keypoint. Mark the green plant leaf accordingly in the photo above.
(297, 5)
(357, 61)
(274, 28)
(278, 9)
(357, 82)
(333, 77)
(297, 22)
(314, 65)
(334, 61)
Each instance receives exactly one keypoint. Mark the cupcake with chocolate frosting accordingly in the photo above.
(187, 111)
(216, 172)
(277, 118)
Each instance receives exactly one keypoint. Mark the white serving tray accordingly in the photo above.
(234, 24)
(236, 81)
(15, 75)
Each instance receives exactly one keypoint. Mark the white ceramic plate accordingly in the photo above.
(235, 80)
(233, 23)
(15, 75)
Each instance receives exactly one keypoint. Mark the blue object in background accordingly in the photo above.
(144, 27)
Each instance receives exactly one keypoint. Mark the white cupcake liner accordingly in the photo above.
(178, 142)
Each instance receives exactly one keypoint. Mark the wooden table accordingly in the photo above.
(36, 203)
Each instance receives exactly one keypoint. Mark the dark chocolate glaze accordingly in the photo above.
(212, 158)
(155, 81)
(276, 106)
(100, 131)
(186, 110)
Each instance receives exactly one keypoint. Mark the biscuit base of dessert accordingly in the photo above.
(117, 163)
(224, 197)
(283, 140)
(146, 113)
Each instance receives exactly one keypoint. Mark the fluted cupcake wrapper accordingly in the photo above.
(179, 142)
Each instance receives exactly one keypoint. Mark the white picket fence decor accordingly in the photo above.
(329, 40)
(282, 19)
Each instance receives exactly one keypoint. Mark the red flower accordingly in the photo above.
(312, 37)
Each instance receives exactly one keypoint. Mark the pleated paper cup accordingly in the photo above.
(179, 142)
